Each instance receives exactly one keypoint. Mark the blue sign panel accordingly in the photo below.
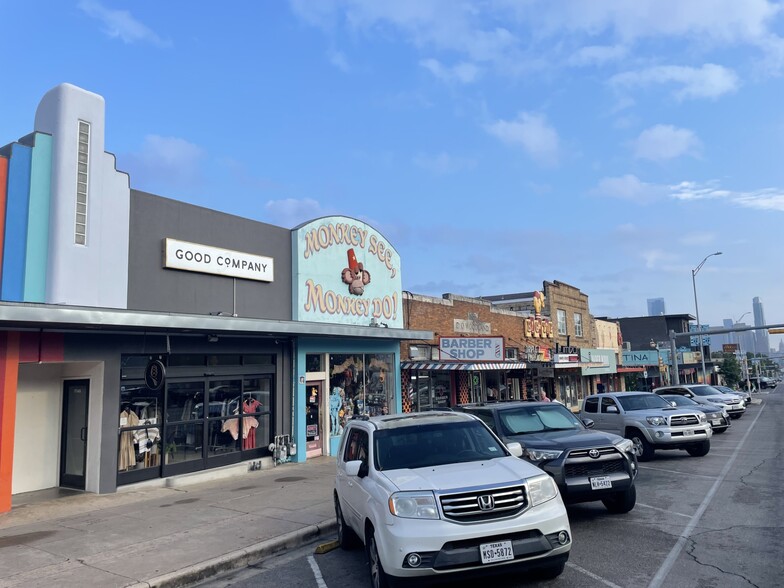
(645, 357)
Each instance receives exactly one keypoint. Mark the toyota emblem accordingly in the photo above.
(594, 453)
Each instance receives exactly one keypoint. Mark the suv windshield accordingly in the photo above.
(642, 402)
(538, 419)
(679, 400)
(424, 446)
(705, 391)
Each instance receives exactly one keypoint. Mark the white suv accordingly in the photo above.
(437, 494)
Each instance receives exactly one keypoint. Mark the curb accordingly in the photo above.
(239, 558)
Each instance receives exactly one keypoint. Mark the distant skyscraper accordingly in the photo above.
(762, 346)
(656, 307)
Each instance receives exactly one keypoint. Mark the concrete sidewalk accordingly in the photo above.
(161, 536)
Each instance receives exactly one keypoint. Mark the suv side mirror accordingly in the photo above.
(689, 395)
(588, 423)
(357, 468)
(612, 410)
(515, 448)
(673, 403)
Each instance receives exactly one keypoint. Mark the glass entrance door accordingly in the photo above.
(73, 456)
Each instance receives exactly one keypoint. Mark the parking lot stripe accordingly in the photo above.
(676, 472)
(680, 514)
(672, 557)
(592, 575)
(317, 572)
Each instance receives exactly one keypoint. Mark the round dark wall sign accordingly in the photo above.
(155, 375)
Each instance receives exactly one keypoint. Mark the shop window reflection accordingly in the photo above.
(360, 384)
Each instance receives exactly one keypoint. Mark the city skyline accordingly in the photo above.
(656, 307)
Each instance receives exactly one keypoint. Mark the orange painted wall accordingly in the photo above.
(9, 374)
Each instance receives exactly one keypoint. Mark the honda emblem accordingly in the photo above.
(486, 502)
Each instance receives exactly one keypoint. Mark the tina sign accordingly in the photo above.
(345, 272)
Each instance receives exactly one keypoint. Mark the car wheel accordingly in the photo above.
(346, 536)
(699, 449)
(551, 572)
(621, 502)
(378, 577)
(736, 416)
(720, 430)
(642, 449)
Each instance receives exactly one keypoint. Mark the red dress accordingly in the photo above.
(250, 406)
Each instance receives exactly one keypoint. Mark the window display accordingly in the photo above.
(359, 384)
(140, 417)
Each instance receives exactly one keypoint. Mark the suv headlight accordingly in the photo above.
(413, 505)
(724, 413)
(625, 445)
(541, 454)
(541, 489)
(657, 421)
(703, 417)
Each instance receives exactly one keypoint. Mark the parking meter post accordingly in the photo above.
(675, 376)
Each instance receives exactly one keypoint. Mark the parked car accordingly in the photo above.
(718, 418)
(587, 465)
(765, 382)
(704, 394)
(437, 494)
(650, 422)
(742, 393)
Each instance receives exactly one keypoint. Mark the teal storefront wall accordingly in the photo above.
(306, 345)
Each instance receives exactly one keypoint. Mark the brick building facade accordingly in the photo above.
(434, 379)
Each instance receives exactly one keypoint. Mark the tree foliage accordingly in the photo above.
(730, 370)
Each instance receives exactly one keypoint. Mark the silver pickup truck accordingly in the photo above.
(649, 421)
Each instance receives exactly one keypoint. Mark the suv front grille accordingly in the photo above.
(683, 420)
(467, 507)
(579, 463)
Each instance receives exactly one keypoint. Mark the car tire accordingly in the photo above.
(346, 536)
(699, 449)
(736, 416)
(719, 431)
(642, 449)
(551, 572)
(378, 577)
(621, 502)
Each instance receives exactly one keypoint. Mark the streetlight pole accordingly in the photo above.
(694, 273)
(744, 364)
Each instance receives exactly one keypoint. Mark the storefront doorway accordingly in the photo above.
(314, 420)
(73, 448)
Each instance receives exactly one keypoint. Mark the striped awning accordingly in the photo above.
(455, 366)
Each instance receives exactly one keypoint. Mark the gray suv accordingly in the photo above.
(587, 465)
(650, 422)
(704, 394)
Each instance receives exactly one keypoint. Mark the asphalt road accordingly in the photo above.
(713, 521)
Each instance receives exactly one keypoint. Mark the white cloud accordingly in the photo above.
(338, 59)
(629, 187)
(657, 258)
(168, 161)
(698, 238)
(443, 163)
(290, 212)
(662, 142)
(532, 133)
(463, 72)
(762, 199)
(709, 81)
(121, 24)
(597, 55)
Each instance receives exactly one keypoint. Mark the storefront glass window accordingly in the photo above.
(140, 422)
(441, 389)
(314, 362)
(359, 384)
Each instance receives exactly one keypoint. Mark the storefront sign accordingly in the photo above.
(206, 259)
(538, 353)
(346, 272)
(566, 358)
(691, 357)
(471, 348)
(154, 375)
(729, 347)
(472, 326)
(645, 357)
(598, 361)
(537, 327)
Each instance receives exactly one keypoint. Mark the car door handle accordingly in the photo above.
(83, 434)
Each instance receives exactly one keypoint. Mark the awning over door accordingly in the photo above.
(456, 366)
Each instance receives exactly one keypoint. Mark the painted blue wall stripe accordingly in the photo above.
(37, 252)
(15, 248)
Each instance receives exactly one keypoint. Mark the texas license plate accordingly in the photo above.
(600, 483)
(688, 433)
(493, 552)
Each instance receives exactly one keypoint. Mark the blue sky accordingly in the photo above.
(609, 144)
